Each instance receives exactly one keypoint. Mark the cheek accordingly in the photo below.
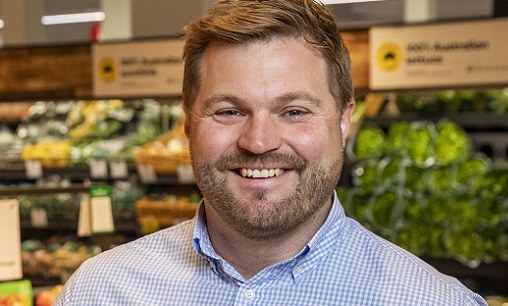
(210, 143)
(314, 143)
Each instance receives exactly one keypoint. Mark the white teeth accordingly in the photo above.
(263, 173)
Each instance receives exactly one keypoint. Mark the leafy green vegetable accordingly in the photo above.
(369, 142)
(420, 143)
(451, 143)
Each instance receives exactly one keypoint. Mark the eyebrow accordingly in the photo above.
(222, 98)
(299, 95)
(285, 98)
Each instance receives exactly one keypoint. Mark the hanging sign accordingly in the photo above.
(138, 69)
(439, 55)
(10, 240)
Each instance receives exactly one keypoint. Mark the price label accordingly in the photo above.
(33, 169)
(118, 169)
(98, 168)
(185, 174)
(147, 174)
(10, 240)
(84, 226)
(39, 217)
(101, 212)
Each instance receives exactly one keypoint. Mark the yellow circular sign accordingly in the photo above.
(389, 57)
(107, 69)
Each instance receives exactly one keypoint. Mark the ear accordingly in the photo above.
(345, 122)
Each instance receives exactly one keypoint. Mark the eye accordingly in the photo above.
(228, 113)
(296, 113)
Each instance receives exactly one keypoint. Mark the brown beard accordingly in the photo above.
(266, 219)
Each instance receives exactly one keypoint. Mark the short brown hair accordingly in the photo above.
(244, 21)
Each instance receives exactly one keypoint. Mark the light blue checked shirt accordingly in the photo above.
(343, 264)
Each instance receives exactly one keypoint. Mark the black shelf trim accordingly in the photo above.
(26, 190)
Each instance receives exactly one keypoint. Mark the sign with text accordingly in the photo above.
(439, 55)
(138, 69)
(10, 240)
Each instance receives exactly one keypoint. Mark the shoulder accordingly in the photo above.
(143, 256)
(395, 270)
(158, 259)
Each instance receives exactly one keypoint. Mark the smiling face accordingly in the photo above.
(265, 135)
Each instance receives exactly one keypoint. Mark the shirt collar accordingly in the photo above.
(325, 239)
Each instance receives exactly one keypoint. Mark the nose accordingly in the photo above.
(260, 134)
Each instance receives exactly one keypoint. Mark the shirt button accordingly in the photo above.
(248, 294)
(299, 270)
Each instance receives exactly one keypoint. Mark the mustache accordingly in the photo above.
(268, 159)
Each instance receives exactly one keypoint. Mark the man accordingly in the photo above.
(268, 98)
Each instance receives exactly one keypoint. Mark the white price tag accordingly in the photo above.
(185, 174)
(10, 240)
(147, 174)
(118, 169)
(84, 226)
(33, 169)
(39, 217)
(101, 212)
(98, 168)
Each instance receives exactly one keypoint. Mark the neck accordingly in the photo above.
(249, 256)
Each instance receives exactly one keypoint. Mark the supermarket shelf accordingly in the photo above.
(40, 283)
(475, 121)
(82, 173)
(487, 278)
(67, 225)
(74, 173)
(26, 190)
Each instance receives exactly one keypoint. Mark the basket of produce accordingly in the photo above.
(51, 153)
(167, 152)
(10, 150)
(167, 210)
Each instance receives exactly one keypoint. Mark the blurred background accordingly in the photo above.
(134, 19)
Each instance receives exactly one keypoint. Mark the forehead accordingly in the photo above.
(282, 62)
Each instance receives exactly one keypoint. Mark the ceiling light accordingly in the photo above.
(73, 18)
(1, 23)
(345, 1)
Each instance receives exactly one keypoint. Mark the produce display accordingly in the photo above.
(11, 147)
(69, 133)
(54, 260)
(422, 186)
(167, 152)
(48, 296)
(452, 101)
(65, 206)
(158, 210)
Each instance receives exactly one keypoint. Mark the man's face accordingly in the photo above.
(265, 135)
